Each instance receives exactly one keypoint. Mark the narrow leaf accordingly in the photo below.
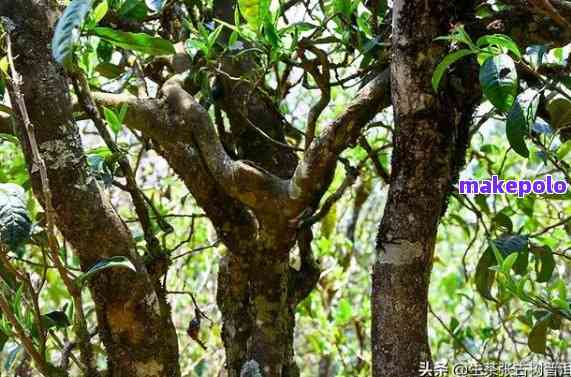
(113, 262)
(445, 63)
(484, 276)
(520, 119)
(140, 42)
(537, 338)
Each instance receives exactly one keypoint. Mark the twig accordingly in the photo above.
(196, 250)
(553, 226)
(379, 168)
(451, 333)
(350, 178)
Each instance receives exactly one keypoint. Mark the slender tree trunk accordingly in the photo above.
(431, 137)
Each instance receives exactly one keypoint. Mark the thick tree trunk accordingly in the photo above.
(431, 137)
(133, 315)
(257, 295)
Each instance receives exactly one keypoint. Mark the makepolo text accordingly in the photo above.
(522, 187)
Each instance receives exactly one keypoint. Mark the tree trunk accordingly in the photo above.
(257, 295)
(431, 136)
(133, 315)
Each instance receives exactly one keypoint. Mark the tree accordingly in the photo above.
(206, 87)
(256, 193)
(432, 134)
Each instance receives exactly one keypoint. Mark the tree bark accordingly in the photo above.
(133, 315)
(431, 137)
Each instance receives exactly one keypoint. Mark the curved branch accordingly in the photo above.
(177, 116)
(315, 172)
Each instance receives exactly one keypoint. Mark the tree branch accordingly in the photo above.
(315, 172)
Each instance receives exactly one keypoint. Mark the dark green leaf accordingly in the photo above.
(544, 263)
(499, 81)
(537, 338)
(484, 276)
(140, 42)
(135, 10)
(520, 119)
(559, 109)
(15, 225)
(57, 319)
(503, 221)
(113, 262)
(67, 31)
(445, 63)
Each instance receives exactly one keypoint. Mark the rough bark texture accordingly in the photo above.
(431, 137)
(133, 315)
(256, 203)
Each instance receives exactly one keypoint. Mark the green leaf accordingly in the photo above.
(459, 35)
(499, 40)
(344, 312)
(135, 10)
(445, 63)
(15, 225)
(509, 262)
(558, 56)
(484, 276)
(100, 11)
(9, 138)
(140, 42)
(113, 262)
(254, 12)
(297, 27)
(499, 81)
(544, 263)
(56, 318)
(66, 33)
(537, 338)
(520, 119)
(502, 220)
(515, 244)
(559, 109)
(113, 120)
